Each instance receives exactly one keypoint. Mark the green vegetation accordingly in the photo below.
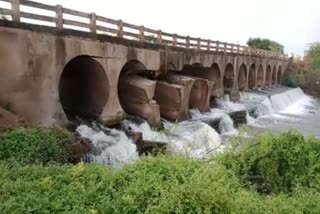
(296, 79)
(270, 174)
(314, 55)
(265, 44)
(276, 164)
(305, 73)
(35, 145)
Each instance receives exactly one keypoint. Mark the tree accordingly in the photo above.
(313, 55)
(265, 44)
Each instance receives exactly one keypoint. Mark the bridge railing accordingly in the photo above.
(64, 18)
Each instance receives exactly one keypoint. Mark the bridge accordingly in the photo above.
(57, 63)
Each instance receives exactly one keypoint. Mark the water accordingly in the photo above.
(191, 138)
(111, 147)
(275, 109)
(279, 109)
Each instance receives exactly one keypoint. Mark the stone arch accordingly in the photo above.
(274, 75)
(83, 88)
(279, 75)
(242, 77)
(197, 65)
(252, 77)
(132, 66)
(228, 78)
(269, 75)
(260, 76)
(215, 76)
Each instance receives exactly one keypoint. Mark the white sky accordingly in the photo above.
(294, 23)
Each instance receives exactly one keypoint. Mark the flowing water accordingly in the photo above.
(280, 109)
(275, 109)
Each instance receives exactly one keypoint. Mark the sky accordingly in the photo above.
(293, 23)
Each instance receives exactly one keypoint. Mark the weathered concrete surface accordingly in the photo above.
(33, 58)
(136, 96)
(173, 99)
(200, 94)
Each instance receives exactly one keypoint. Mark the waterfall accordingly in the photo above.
(263, 108)
(111, 147)
(284, 100)
(226, 126)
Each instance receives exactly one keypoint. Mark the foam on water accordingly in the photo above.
(192, 138)
(111, 147)
(226, 126)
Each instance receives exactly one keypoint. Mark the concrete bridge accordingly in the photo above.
(66, 66)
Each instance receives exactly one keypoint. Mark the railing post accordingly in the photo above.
(120, 28)
(217, 46)
(238, 49)
(159, 36)
(187, 41)
(141, 33)
(174, 40)
(232, 46)
(15, 8)
(199, 43)
(209, 45)
(59, 17)
(225, 48)
(93, 23)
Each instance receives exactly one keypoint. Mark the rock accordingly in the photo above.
(80, 148)
(10, 120)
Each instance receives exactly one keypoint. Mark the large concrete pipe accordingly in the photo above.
(83, 88)
(201, 91)
(136, 93)
(173, 94)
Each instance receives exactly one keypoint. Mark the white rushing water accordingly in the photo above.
(111, 147)
(225, 126)
(267, 110)
(191, 138)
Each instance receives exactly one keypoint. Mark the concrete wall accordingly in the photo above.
(32, 61)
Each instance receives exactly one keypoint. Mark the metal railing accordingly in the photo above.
(101, 25)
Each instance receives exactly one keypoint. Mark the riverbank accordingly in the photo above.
(268, 174)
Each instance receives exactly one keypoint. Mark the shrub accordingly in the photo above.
(276, 164)
(31, 145)
(295, 79)
(287, 164)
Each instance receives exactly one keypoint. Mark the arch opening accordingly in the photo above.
(242, 77)
(260, 76)
(269, 75)
(83, 88)
(252, 77)
(279, 75)
(136, 91)
(274, 75)
(228, 78)
(215, 76)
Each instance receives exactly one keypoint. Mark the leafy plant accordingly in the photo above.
(276, 164)
(31, 145)
(265, 44)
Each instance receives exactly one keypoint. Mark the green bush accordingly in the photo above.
(286, 165)
(276, 164)
(294, 79)
(154, 185)
(35, 145)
